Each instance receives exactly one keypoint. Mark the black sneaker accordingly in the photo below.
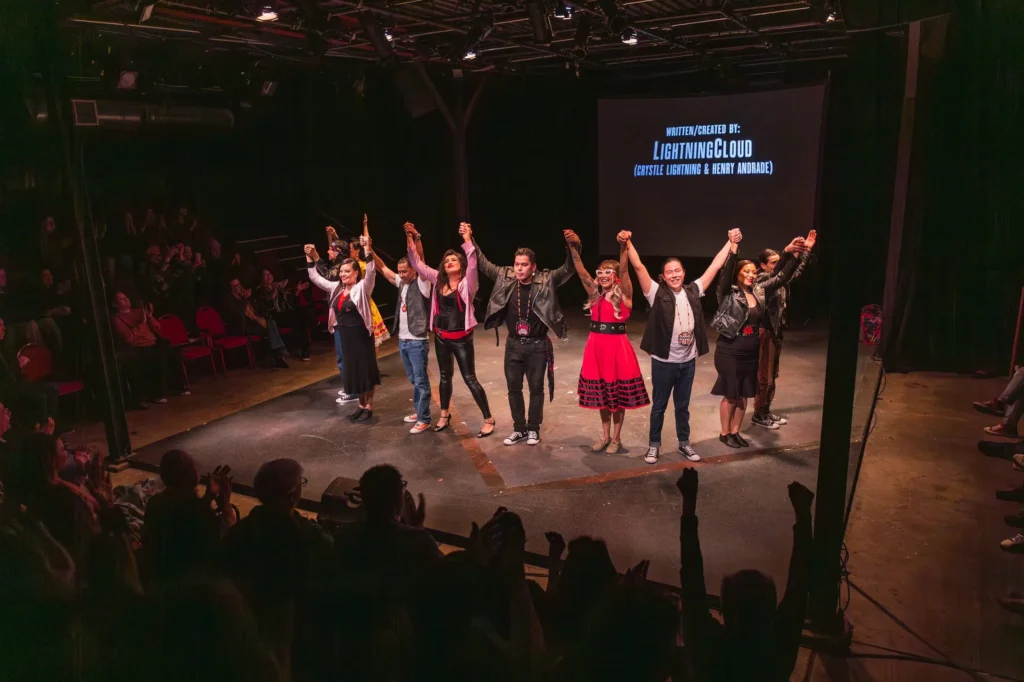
(652, 455)
(689, 453)
(764, 420)
(516, 437)
(778, 419)
(740, 440)
(728, 440)
(532, 437)
(1013, 495)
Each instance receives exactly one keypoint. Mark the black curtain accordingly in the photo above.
(961, 269)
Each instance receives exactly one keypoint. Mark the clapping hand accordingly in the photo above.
(556, 544)
(735, 235)
(46, 428)
(413, 514)
(218, 486)
(637, 575)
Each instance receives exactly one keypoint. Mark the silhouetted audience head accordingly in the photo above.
(278, 484)
(178, 471)
(748, 603)
(381, 488)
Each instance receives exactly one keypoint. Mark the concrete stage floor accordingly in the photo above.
(557, 485)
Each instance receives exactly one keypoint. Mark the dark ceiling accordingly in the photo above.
(671, 36)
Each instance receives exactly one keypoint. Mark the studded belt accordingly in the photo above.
(608, 327)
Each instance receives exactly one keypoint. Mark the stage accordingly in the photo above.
(559, 484)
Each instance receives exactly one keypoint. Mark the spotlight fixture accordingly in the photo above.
(267, 14)
(389, 36)
(830, 17)
(145, 11)
(478, 32)
(562, 10)
(378, 37)
(539, 22)
(581, 38)
(128, 80)
(628, 36)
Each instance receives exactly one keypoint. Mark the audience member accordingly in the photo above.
(241, 319)
(279, 559)
(36, 400)
(143, 355)
(1009, 405)
(272, 301)
(757, 640)
(54, 246)
(182, 532)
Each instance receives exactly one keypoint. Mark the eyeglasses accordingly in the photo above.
(305, 481)
(602, 273)
(405, 484)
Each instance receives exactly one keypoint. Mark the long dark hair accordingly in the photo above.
(355, 266)
(739, 268)
(441, 273)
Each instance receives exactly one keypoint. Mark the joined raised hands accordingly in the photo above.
(735, 235)
(365, 242)
(466, 230)
(410, 230)
(572, 239)
(311, 255)
(623, 236)
(798, 245)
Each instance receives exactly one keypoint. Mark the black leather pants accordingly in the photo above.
(461, 350)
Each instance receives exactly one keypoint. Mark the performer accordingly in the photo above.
(741, 312)
(350, 302)
(674, 337)
(411, 315)
(610, 378)
(526, 301)
(452, 320)
(771, 333)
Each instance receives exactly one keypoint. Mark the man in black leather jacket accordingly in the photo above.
(526, 301)
(771, 334)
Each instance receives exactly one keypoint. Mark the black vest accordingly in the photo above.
(658, 330)
(417, 309)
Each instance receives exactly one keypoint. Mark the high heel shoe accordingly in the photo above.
(484, 434)
(447, 419)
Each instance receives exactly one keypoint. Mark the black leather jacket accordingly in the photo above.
(545, 298)
(732, 303)
(776, 308)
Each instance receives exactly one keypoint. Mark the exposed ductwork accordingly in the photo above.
(125, 114)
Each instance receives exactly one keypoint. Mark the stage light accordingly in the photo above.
(128, 80)
(582, 37)
(377, 36)
(267, 14)
(146, 12)
(539, 22)
(628, 36)
(469, 55)
(478, 32)
(562, 10)
(268, 88)
(830, 17)
(389, 36)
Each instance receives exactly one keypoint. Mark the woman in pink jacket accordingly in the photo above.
(452, 320)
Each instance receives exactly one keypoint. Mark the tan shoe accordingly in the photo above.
(613, 447)
(600, 445)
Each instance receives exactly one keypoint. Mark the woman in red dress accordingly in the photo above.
(610, 378)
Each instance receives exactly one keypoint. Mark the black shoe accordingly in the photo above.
(357, 415)
(727, 439)
(516, 437)
(279, 361)
(764, 420)
(306, 357)
(1013, 495)
(993, 449)
(739, 440)
(366, 415)
(1015, 520)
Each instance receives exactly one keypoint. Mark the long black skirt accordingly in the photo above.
(359, 360)
(736, 361)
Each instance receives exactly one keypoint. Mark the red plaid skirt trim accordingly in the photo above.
(622, 394)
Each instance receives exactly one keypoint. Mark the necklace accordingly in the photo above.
(523, 325)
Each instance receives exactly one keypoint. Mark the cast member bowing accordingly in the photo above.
(350, 301)
(452, 320)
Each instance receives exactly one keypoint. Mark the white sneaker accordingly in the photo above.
(345, 399)
(689, 453)
(1014, 544)
(419, 428)
(411, 419)
(778, 419)
(652, 455)
(532, 437)
(347, 396)
(516, 437)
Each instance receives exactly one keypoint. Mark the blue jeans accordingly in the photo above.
(414, 356)
(337, 351)
(676, 379)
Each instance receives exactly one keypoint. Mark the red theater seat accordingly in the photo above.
(173, 329)
(210, 323)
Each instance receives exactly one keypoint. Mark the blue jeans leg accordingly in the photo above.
(414, 357)
(274, 337)
(681, 397)
(337, 351)
(663, 380)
